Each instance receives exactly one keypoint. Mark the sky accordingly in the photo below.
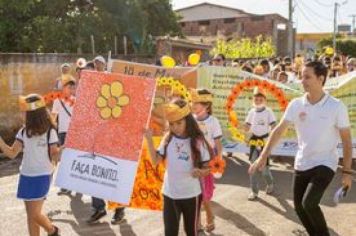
(310, 16)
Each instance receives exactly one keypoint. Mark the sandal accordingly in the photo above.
(200, 228)
(209, 227)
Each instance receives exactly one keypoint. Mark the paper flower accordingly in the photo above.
(111, 100)
(217, 166)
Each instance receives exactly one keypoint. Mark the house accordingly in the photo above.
(207, 22)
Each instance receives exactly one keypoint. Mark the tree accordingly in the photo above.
(344, 45)
(245, 48)
(66, 25)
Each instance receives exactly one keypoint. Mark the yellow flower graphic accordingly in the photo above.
(111, 100)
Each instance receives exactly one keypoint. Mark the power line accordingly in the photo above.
(314, 12)
(308, 19)
(313, 20)
(323, 4)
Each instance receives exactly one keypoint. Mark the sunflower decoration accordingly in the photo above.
(217, 167)
(111, 100)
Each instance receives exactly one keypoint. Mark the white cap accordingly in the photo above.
(65, 65)
(100, 58)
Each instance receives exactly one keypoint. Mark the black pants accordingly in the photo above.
(98, 204)
(173, 209)
(62, 138)
(308, 189)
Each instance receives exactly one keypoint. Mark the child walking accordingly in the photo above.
(202, 108)
(62, 112)
(259, 121)
(187, 157)
(38, 141)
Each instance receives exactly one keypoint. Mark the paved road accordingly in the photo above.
(270, 215)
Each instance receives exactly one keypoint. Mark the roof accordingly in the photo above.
(211, 4)
(240, 13)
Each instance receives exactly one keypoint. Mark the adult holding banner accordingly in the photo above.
(218, 60)
(319, 120)
(98, 205)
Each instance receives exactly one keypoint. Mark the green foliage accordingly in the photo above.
(66, 25)
(343, 45)
(245, 48)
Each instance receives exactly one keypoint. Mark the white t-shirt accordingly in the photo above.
(35, 161)
(211, 129)
(178, 182)
(58, 84)
(63, 116)
(317, 128)
(260, 121)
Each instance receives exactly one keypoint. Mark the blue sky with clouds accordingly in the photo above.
(309, 15)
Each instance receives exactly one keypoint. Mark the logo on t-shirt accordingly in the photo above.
(183, 156)
(42, 143)
(261, 122)
(203, 128)
(302, 116)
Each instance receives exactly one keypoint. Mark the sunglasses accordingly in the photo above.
(217, 60)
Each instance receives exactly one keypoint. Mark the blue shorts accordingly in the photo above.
(32, 188)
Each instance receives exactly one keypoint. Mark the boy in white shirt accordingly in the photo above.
(65, 70)
(62, 111)
(259, 121)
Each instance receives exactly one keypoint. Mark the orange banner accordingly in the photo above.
(148, 183)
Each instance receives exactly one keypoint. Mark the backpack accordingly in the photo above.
(48, 137)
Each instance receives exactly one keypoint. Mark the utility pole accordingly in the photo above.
(335, 26)
(290, 30)
(336, 5)
(353, 23)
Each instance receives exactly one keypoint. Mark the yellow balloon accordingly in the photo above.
(329, 51)
(194, 59)
(168, 62)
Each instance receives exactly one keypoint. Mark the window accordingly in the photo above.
(204, 22)
(257, 18)
(229, 20)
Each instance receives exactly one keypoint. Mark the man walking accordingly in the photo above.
(319, 120)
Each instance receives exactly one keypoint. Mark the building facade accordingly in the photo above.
(207, 22)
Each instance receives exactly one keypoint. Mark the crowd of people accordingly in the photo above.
(286, 69)
(188, 183)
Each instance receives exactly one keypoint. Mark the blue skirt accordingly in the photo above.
(32, 188)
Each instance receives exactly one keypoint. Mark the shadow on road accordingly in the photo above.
(238, 220)
(81, 227)
(236, 174)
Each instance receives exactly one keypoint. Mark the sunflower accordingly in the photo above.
(111, 100)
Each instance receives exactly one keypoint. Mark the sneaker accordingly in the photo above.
(97, 215)
(269, 189)
(253, 196)
(56, 232)
(118, 217)
(299, 232)
(63, 191)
